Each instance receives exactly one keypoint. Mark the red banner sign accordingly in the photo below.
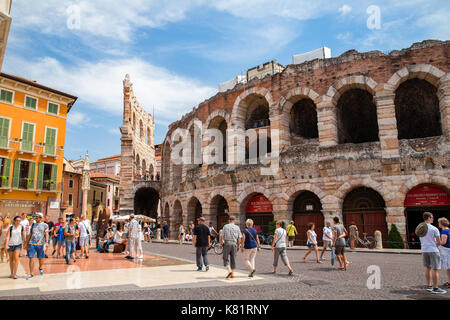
(259, 204)
(427, 195)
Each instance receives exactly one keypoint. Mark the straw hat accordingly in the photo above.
(422, 230)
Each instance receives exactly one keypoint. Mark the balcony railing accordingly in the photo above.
(49, 185)
(23, 183)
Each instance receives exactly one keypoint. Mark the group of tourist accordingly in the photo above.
(35, 234)
(187, 234)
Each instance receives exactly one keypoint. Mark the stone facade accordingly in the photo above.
(137, 147)
(324, 166)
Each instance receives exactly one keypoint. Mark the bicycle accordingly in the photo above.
(369, 242)
(216, 246)
(265, 239)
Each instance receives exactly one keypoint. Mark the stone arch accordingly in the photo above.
(440, 181)
(296, 94)
(239, 112)
(253, 190)
(294, 191)
(194, 209)
(348, 186)
(219, 120)
(195, 137)
(352, 82)
(217, 113)
(421, 71)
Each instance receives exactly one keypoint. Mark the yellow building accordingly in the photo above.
(32, 135)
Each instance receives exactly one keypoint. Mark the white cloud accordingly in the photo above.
(345, 9)
(99, 84)
(344, 36)
(114, 131)
(77, 119)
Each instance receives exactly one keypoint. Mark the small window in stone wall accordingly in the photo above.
(304, 119)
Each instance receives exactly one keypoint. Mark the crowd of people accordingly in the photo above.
(71, 240)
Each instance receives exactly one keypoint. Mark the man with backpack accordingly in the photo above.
(36, 242)
(85, 236)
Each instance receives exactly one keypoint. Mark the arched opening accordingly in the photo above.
(260, 210)
(257, 112)
(307, 208)
(303, 121)
(194, 209)
(138, 167)
(151, 172)
(141, 131)
(177, 169)
(146, 202)
(422, 198)
(219, 212)
(144, 169)
(166, 213)
(196, 145)
(149, 137)
(166, 164)
(220, 124)
(177, 218)
(357, 117)
(366, 209)
(417, 110)
(253, 146)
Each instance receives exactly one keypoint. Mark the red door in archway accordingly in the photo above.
(306, 209)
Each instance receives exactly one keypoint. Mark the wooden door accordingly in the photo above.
(301, 221)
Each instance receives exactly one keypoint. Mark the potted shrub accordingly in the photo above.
(3, 180)
(49, 183)
(394, 240)
(29, 182)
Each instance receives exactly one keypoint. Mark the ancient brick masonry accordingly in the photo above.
(355, 98)
(137, 148)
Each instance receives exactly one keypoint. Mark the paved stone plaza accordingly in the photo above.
(168, 272)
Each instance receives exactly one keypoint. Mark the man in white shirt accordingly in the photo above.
(85, 236)
(26, 225)
(134, 236)
(327, 239)
(430, 254)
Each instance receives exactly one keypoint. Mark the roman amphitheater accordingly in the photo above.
(363, 136)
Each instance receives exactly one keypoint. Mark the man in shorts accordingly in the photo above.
(339, 234)
(36, 242)
(85, 236)
(327, 239)
(430, 254)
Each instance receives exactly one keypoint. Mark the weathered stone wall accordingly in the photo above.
(323, 166)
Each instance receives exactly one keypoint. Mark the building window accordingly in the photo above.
(70, 184)
(27, 136)
(52, 108)
(50, 141)
(108, 204)
(101, 197)
(6, 96)
(4, 132)
(94, 195)
(23, 174)
(31, 103)
(109, 188)
(70, 199)
(47, 174)
(5, 168)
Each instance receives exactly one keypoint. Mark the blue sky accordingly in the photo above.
(177, 52)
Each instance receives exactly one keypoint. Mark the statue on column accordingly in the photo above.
(85, 185)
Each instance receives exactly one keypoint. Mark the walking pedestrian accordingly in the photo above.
(292, 232)
(430, 254)
(165, 232)
(354, 234)
(15, 238)
(201, 242)
(125, 236)
(51, 227)
(327, 239)
(84, 240)
(444, 248)
(146, 232)
(3, 233)
(134, 243)
(279, 248)
(251, 246)
(212, 231)
(70, 232)
(26, 225)
(181, 233)
(339, 234)
(36, 242)
(59, 236)
(230, 239)
(311, 242)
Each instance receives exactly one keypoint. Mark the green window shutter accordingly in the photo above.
(6, 173)
(30, 103)
(4, 130)
(31, 174)
(52, 108)
(50, 137)
(27, 137)
(6, 96)
(16, 174)
(54, 176)
(7, 170)
(40, 179)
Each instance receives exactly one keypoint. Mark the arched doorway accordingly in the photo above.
(307, 208)
(219, 211)
(194, 210)
(366, 208)
(220, 124)
(303, 121)
(424, 197)
(260, 210)
(146, 202)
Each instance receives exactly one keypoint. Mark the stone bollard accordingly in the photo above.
(379, 239)
(158, 234)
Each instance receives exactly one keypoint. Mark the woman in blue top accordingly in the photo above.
(312, 242)
(444, 248)
(251, 245)
(60, 243)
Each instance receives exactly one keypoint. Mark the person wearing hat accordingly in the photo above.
(429, 241)
(201, 242)
(37, 239)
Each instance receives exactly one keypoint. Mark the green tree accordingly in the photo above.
(395, 240)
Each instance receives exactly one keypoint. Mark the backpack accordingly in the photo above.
(11, 228)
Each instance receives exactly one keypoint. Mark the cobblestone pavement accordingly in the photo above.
(402, 277)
